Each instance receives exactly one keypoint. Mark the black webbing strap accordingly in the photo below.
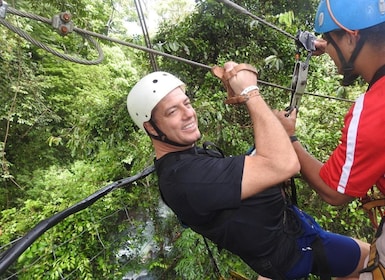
(216, 267)
(320, 264)
(380, 227)
(293, 188)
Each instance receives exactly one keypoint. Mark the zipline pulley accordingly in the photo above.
(304, 39)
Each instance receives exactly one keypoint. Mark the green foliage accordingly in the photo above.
(198, 263)
(65, 133)
(55, 193)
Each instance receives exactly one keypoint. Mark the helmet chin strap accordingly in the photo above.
(163, 137)
(347, 66)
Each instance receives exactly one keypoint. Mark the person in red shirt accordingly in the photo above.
(353, 35)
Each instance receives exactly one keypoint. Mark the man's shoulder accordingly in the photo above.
(170, 159)
(196, 158)
(177, 155)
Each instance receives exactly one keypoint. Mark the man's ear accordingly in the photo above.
(149, 128)
(348, 42)
(352, 38)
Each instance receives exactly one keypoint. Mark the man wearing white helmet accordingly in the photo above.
(238, 202)
(354, 37)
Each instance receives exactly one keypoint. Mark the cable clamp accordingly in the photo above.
(62, 22)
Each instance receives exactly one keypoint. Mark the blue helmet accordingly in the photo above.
(348, 14)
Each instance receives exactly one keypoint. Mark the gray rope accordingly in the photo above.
(90, 33)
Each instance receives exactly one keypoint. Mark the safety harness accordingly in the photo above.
(374, 207)
(375, 267)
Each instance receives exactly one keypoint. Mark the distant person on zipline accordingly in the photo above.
(353, 35)
(238, 202)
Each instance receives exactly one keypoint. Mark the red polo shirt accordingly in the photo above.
(358, 162)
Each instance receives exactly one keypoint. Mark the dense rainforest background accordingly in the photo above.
(65, 132)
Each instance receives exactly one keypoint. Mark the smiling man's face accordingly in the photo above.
(176, 118)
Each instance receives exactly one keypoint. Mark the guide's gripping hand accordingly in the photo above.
(235, 80)
(320, 46)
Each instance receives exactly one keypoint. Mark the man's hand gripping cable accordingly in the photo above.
(232, 97)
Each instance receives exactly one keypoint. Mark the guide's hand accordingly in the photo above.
(320, 46)
(288, 121)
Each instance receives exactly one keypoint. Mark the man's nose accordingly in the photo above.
(188, 112)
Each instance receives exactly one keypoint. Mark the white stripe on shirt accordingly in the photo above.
(351, 144)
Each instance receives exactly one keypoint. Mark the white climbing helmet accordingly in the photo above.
(147, 93)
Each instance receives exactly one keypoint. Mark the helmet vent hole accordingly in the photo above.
(154, 81)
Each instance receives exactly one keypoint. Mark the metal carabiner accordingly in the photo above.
(305, 39)
(298, 84)
(301, 68)
(3, 9)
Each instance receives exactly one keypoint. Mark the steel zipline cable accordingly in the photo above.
(246, 12)
(89, 36)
